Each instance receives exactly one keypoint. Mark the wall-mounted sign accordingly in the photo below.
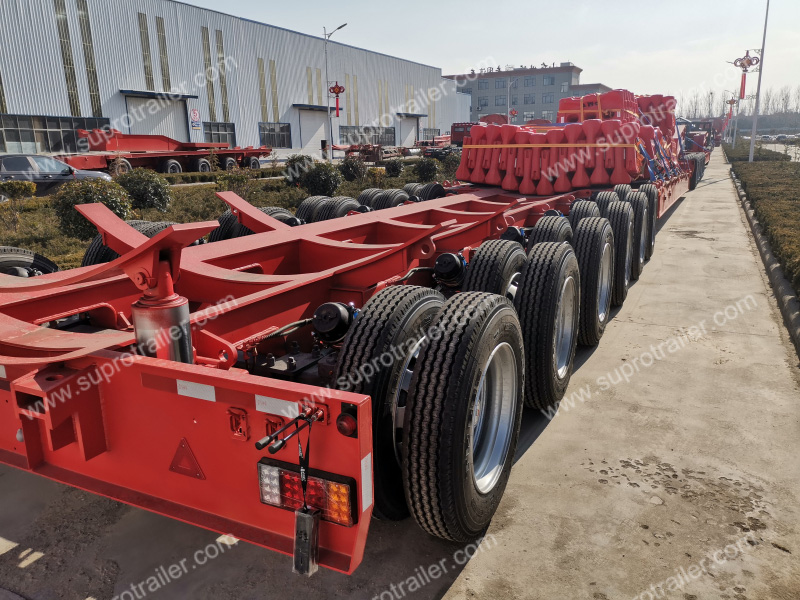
(194, 117)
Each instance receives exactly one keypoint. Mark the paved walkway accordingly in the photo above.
(677, 443)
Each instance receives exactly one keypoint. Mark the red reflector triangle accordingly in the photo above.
(185, 463)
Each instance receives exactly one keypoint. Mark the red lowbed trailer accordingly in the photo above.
(118, 153)
(398, 345)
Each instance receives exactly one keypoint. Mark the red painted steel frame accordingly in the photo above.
(98, 418)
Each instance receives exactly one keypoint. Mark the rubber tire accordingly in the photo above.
(591, 237)
(492, 267)
(367, 196)
(431, 191)
(201, 165)
(335, 208)
(308, 208)
(229, 164)
(253, 163)
(651, 192)
(581, 210)
(439, 490)
(12, 258)
(171, 166)
(537, 302)
(603, 200)
(641, 216)
(389, 199)
(412, 189)
(623, 189)
(122, 166)
(620, 215)
(98, 253)
(393, 318)
(550, 229)
(276, 212)
(227, 226)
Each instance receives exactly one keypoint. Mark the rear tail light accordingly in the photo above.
(333, 495)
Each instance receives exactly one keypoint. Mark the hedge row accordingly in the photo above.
(742, 152)
(212, 176)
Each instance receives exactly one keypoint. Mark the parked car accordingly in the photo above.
(439, 151)
(47, 173)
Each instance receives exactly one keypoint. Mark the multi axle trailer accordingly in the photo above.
(285, 386)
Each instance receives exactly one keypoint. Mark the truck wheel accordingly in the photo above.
(276, 212)
(431, 191)
(201, 165)
(229, 164)
(550, 229)
(413, 189)
(641, 216)
(171, 166)
(651, 192)
(594, 247)
(603, 200)
(98, 253)
(463, 416)
(389, 199)
(581, 210)
(620, 214)
(366, 197)
(548, 304)
(334, 208)
(24, 263)
(227, 225)
(623, 189)
(119, 166)
(308, 208)
(495, 268)
(393, 323)
(254, 163)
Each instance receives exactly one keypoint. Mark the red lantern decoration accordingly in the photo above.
(336, 89)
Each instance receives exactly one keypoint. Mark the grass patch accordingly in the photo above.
(773, 188)
(760, 154)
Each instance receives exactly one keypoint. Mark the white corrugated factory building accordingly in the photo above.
(164, 67)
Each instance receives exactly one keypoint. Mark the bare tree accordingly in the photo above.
(784, 99)
(693, 106)
(797, 99)
(767, 102)
(708, 104)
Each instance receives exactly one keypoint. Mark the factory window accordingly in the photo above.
(144, 38)
(88, 56)
(275, 135)
(483, 84)
(2, 97)
(483, 101)
(529, 99)
(429, 134)
(514, 100)
(162, 53)
(500, 83)
(530, 81)
(466, 91)
(385, 136)
(564, 86)
(223, 86)
(500, 100)
(529, 116)
(34, 134)
(548, 98)
(66, 57)
(548, 80)
(548, 114)
(212, 105)
(220, 133)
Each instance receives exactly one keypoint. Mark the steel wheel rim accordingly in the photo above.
(401, 396)
(565, 328)
(513, 286)
(604, 284)
(643, 238)
(492, 417)
(629, 254)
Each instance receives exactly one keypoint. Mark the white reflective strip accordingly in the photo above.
(274, 406)
(31, 558)
(6, 545)
(2, 371)
(366, 482)
(228, 540)
(200, 391)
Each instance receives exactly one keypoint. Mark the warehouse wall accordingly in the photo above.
(378, 86)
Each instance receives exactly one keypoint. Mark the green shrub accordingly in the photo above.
(236, 181)
(88, 191)
(427, 169)
(742, 152)
(15, 192)
(450, 165)
(394, 167)
(147, 189)
(353, 168)
(296, 167)
(321, 180)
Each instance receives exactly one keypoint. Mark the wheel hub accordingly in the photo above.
(401, 397)
(565, 328)
(604, 283)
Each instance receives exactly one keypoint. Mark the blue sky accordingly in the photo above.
(639, 45)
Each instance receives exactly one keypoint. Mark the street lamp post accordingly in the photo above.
(758, 89)
(736, 118)
(327, 89)
(508, 98)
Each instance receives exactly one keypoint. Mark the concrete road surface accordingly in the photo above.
(671, 470)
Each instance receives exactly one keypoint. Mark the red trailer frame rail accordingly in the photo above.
(85, 403)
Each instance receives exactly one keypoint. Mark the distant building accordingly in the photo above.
(533, 92)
